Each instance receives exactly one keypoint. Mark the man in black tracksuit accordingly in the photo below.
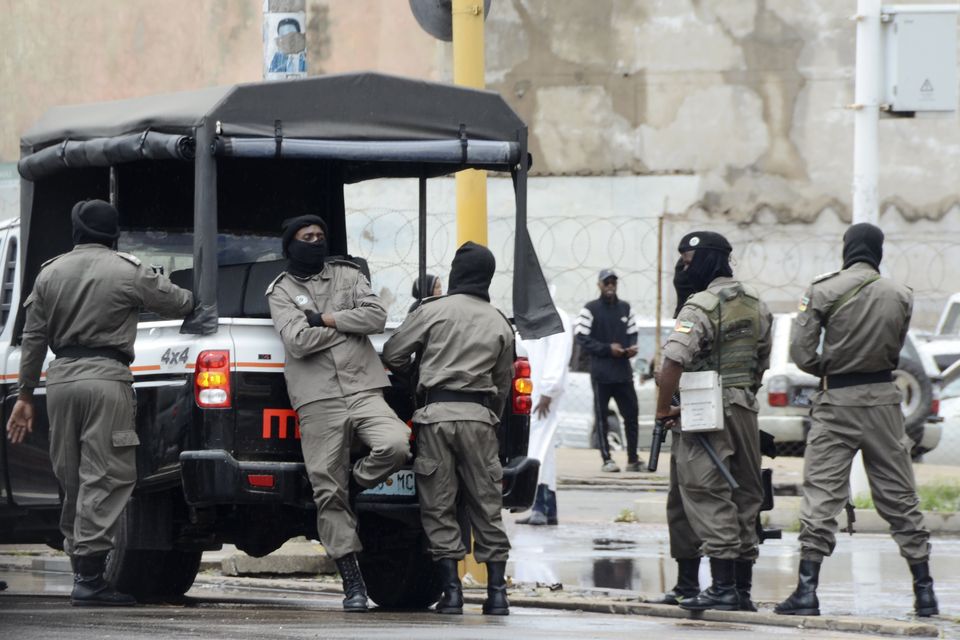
(606, 329)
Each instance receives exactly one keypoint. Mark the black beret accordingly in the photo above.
(704, 240)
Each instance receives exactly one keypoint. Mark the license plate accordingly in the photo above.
(401, 483)
(802, 396)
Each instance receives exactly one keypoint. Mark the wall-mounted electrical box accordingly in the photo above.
(920, 57)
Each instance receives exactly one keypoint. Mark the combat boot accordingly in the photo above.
(722, 594)
(496, 603)
(451, 600)
(89, 587)
(924, 601)
(803, 601)
(688, 582)
(744, 577)
(354, 589)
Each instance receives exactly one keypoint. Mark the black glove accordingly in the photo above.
(314, 318)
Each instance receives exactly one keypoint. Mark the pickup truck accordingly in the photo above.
(201, 198)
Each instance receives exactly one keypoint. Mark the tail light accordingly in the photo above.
(522, 387)
(778, 388)
(935, 407)
(212, 380)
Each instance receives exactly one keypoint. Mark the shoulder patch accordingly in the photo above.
(704, 300)
(825, 276)
(52, 260)
(683, 326)
(274, 283)
(804, 303)
(132, 259)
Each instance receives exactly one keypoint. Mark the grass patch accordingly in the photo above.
(942, 496)
(626, 515)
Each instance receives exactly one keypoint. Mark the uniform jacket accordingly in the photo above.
(599, 325)
(91, 297)
(864, 334)
(465, 344)
(692, 340)
(326, 362)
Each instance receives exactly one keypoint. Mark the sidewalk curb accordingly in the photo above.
(591, 605)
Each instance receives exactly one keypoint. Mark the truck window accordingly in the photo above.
(172, 250)
(952, 320)
(9, 275)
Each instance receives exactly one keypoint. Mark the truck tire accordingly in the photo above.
(396, 567)
(917, 397)
(148, 573)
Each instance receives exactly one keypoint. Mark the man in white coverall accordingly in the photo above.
(549, 359)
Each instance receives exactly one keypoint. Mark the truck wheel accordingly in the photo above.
(148, 573)
(395, 565)
(917, 397)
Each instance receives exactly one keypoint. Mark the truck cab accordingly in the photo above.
(202, 180)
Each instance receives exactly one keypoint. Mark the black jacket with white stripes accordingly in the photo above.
(599, 325)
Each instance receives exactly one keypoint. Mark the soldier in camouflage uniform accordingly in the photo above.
(862, 320)
(85, 305)
(724, 327)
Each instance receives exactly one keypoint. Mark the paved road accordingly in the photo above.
(231, 614)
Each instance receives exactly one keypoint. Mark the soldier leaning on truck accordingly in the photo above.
(324, 309)
(465, 348)
(849, 332)
(85, 305)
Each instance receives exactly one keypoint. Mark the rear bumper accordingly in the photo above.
(785, 428)
(216, 477)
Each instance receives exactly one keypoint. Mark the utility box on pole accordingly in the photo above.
(920, 54)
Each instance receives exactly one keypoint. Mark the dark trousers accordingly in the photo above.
(626, 398)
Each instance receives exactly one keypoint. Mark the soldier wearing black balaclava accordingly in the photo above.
(849, 332)
(324, 309)
(723, 327)
(466, 371)
(85, 305)
(684, 543)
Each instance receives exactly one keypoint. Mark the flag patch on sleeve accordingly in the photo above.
(804, 303)
(683, 326)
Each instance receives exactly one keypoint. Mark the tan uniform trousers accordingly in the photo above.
(684, 543)
(724, 519)
(835, 436)
(327, 428)
(93, 451)
(461, 457)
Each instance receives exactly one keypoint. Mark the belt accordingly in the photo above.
(93, 352)
(447, 395)
(842, 380)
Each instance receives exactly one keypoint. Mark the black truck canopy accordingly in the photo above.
(243, 156)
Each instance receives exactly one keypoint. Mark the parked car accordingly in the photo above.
(943, 345)
(785, 397)
(948, 449)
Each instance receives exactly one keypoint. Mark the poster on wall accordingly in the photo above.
(284, 39)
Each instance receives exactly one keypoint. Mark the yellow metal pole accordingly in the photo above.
(468, 71)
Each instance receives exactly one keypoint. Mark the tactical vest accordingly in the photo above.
(734, 312)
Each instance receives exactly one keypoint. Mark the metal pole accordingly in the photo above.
(422, 269)
(656, 340)
(866, 154)
(468, 71)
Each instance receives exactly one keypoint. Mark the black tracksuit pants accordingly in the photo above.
(626, 398)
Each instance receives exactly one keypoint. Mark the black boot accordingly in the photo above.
(89, 587)
(722, 594)
(550, 502)
(451, 600)
(688, 582)
(354, 589)
(924, 602)
(538, 512)
(496, 603)
(743, 572)
(803, 601)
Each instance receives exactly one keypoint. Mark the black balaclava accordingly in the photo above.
(863, 242)
(95, 222)
(711, 258)
(472, 270)
(682, 285)
(304, 259)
